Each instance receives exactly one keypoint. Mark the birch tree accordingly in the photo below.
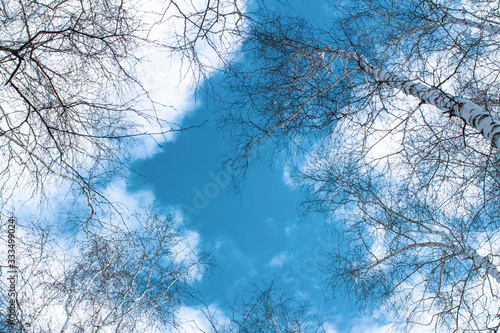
(268, 309)
(72, 101)
(114, 280)
(392, 121)
(399, 253)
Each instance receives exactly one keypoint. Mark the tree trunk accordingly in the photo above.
(489, 27)
(471, 113)
(483, 262)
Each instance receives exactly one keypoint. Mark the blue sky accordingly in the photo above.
(245, 230)
(254, 234)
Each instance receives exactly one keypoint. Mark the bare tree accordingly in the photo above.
(72, 103)
(268, 309)
(422, 265)
(72, 100)
(393, 118)
(114, 280)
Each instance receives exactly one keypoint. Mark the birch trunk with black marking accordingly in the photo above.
(484, 263)
(471, 113)
(490, 27)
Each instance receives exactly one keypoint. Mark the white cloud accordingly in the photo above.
(118, 195)
(170, 78)
(290, 228)
(287, 178)
(194, 319)
(368, 326)
(279, 260)
(127, 203)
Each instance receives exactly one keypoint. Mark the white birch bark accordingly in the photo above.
(471, 113)
(484, 263)
(479, 261)
(486, 26)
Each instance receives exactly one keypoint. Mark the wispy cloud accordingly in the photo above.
(194, 319)
(279, 260)
(287, 178)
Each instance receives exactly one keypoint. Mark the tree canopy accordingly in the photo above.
(391, 118)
